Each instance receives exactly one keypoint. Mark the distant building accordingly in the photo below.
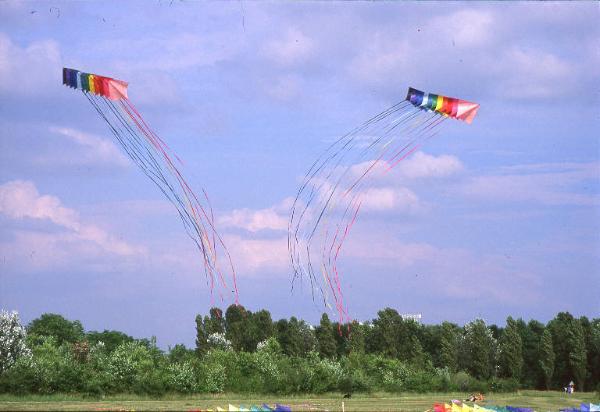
(412, 316)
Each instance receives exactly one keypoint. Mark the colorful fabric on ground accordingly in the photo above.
(584, 407)
(456, 408)
(282, 408)
(448, 106)
(266, 407)
(112, 89)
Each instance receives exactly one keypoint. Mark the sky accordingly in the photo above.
(497, 218)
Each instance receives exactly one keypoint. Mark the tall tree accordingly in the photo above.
(356, 338)
(546, 354)
(237, 329)
(384, 337)
(215, 323)
(325, 339)
(262, 327)
(449, 346)
(201, 335)
(577, 353)
(511, 351)
(594, 354)
(531, 334)
(480, 344)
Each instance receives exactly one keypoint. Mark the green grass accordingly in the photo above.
(540, 401)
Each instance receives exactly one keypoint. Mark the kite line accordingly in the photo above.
(153, 156)
(337, 184)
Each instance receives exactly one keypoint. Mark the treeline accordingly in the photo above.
(245, 352)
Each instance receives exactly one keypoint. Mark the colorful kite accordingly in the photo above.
(109, 98)
(334, 188)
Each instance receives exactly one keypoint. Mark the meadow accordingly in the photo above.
(539, 400)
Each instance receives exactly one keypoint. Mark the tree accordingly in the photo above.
(295, 337)
(384, 337)
(449, 346)
(12, 340)
(215, 323)
(577, 353)
(262, 327)
(569, 349)
(236, 326)
(511, 351)
(531, 334)
(110, 338)
(356, 338)
(546, 352)
(179, 353)
(417, 357)
(594, 354)
(325, 339)
(201, 335)
(51, 324)
(480, 345)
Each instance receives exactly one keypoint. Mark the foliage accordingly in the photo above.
(110, 338)
(325, 338)
(51, 324)
(12, 340)
(511, 351)
(291, 357)
(547, 357)
(481, 346)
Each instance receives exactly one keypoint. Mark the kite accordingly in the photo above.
(336, 185)
(151, 154)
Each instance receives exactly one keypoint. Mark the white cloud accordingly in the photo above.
(272, 218)
(20, 199)
(254, 220)
(400, 199)
(95, 148)
(293, 48)
(30, 70)
(418, 166)
(422, 165)
(258, 256)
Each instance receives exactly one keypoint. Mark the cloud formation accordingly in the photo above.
(30, 64)
(94, 149)
(21, 200)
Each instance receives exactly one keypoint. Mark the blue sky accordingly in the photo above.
(497, 218)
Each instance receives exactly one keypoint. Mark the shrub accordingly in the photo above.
(12, 340)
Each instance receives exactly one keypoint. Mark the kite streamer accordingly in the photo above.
(333, 190)
(109, 98)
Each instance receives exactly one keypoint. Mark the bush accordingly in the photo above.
(504, 385)
(181, 377)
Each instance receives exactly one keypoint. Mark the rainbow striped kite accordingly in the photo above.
(448, 106)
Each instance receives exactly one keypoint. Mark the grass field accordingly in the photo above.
(540, 401)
